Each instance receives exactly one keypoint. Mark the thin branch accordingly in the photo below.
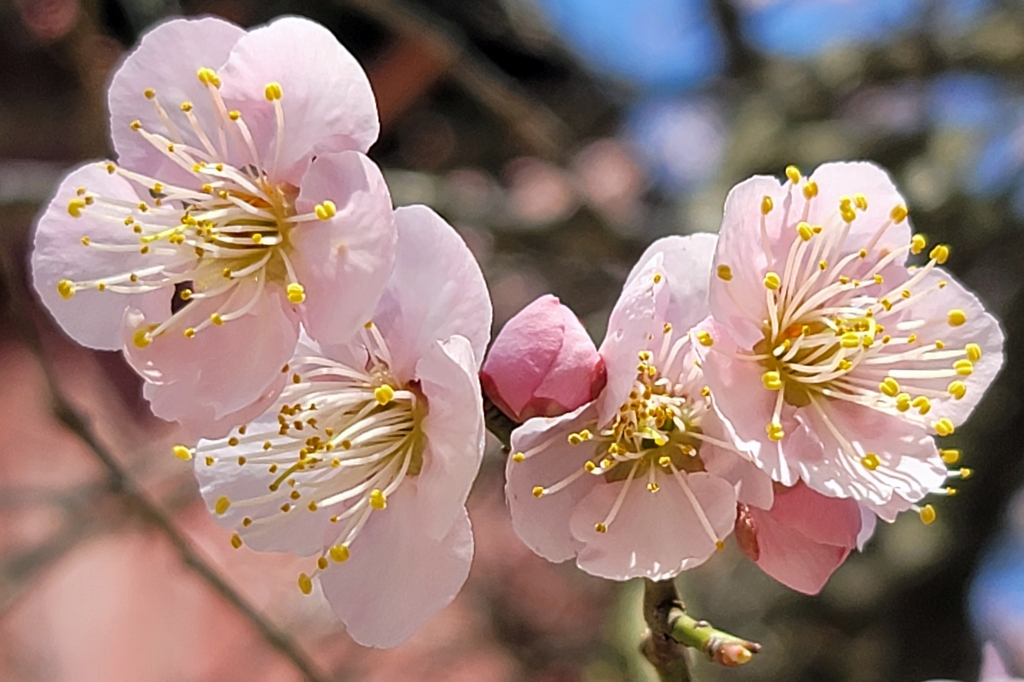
(671, 631)
(123, 485)
(533, 123)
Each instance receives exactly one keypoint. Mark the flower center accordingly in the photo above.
(226, 226)
(344, 440)
(844, 325)
(655, 434)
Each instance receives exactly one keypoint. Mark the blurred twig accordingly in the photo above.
(123, 485)
(533, 123)
(671, 631)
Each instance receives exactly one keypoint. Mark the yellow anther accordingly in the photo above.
(326, 210)
(957, 389)
(575, 439)
(848, 214)
(704, 338)
(209, 461)
(221, 506)
(519, 457)
(657, 277)
(296, 293)
(805, 231)
(964, 367)
(939, 254)
(775, 431)
(190, 332)
(384, 394)
(246, 522)
(810, 189)
(966, 473)
(667, 328)
(870, 461)
(724, 273)
(236, 541)
(186, 106)
(956, 317)
(322, 563)
(772, 281)
(182, 452)
(793, 173)
(918, 243)
(305, 583)
(952, 492)
(600, 528)
(234, 114)
(538, 491)
(664, 461)
(653, 487)
(339, 553)
(889, 387)
(766, 205)
(863, 253)
(823, 265)
(903, 402)
(273, 91)
(950, 456)
(860, 201)
(922, 404)
(912, 338)
(849, 340)
(878, 279)
(217, 319)
(845, 365)
(973, 352)
(377, 499)
(944, 427)
(208, 76)
(771, 380)
(135, 125)
(66, 288)
(141, 338)
(75, 207)
(927, 514)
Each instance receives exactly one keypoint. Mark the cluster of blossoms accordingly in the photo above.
(785, 380)
(323, 347)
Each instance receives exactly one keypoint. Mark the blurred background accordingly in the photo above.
(560, 137)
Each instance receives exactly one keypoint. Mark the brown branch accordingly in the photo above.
(124, 486)
(536, 126)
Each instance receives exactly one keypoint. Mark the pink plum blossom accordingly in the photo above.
(802, 539)
(367, 457)
(543, 363)
(641, 481)
(241, 204)
(831, 360)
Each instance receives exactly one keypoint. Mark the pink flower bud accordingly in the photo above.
(802, 539)
(543, 363)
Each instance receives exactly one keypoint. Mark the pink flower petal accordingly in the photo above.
(543, 363)
(92, 318)
(981, 328)
(327, 101)
(246, 486)
(825, 520)
(638, 316)
(436, 291)
(398, 577)
(653, 534)
(686, 263)
(543, 523)
(736, 303)
(746, 407)
(344, 262)
(910, 466)
(223, 369)
(836, 180)
(868, 523)
(454, 432)
(166, 60)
